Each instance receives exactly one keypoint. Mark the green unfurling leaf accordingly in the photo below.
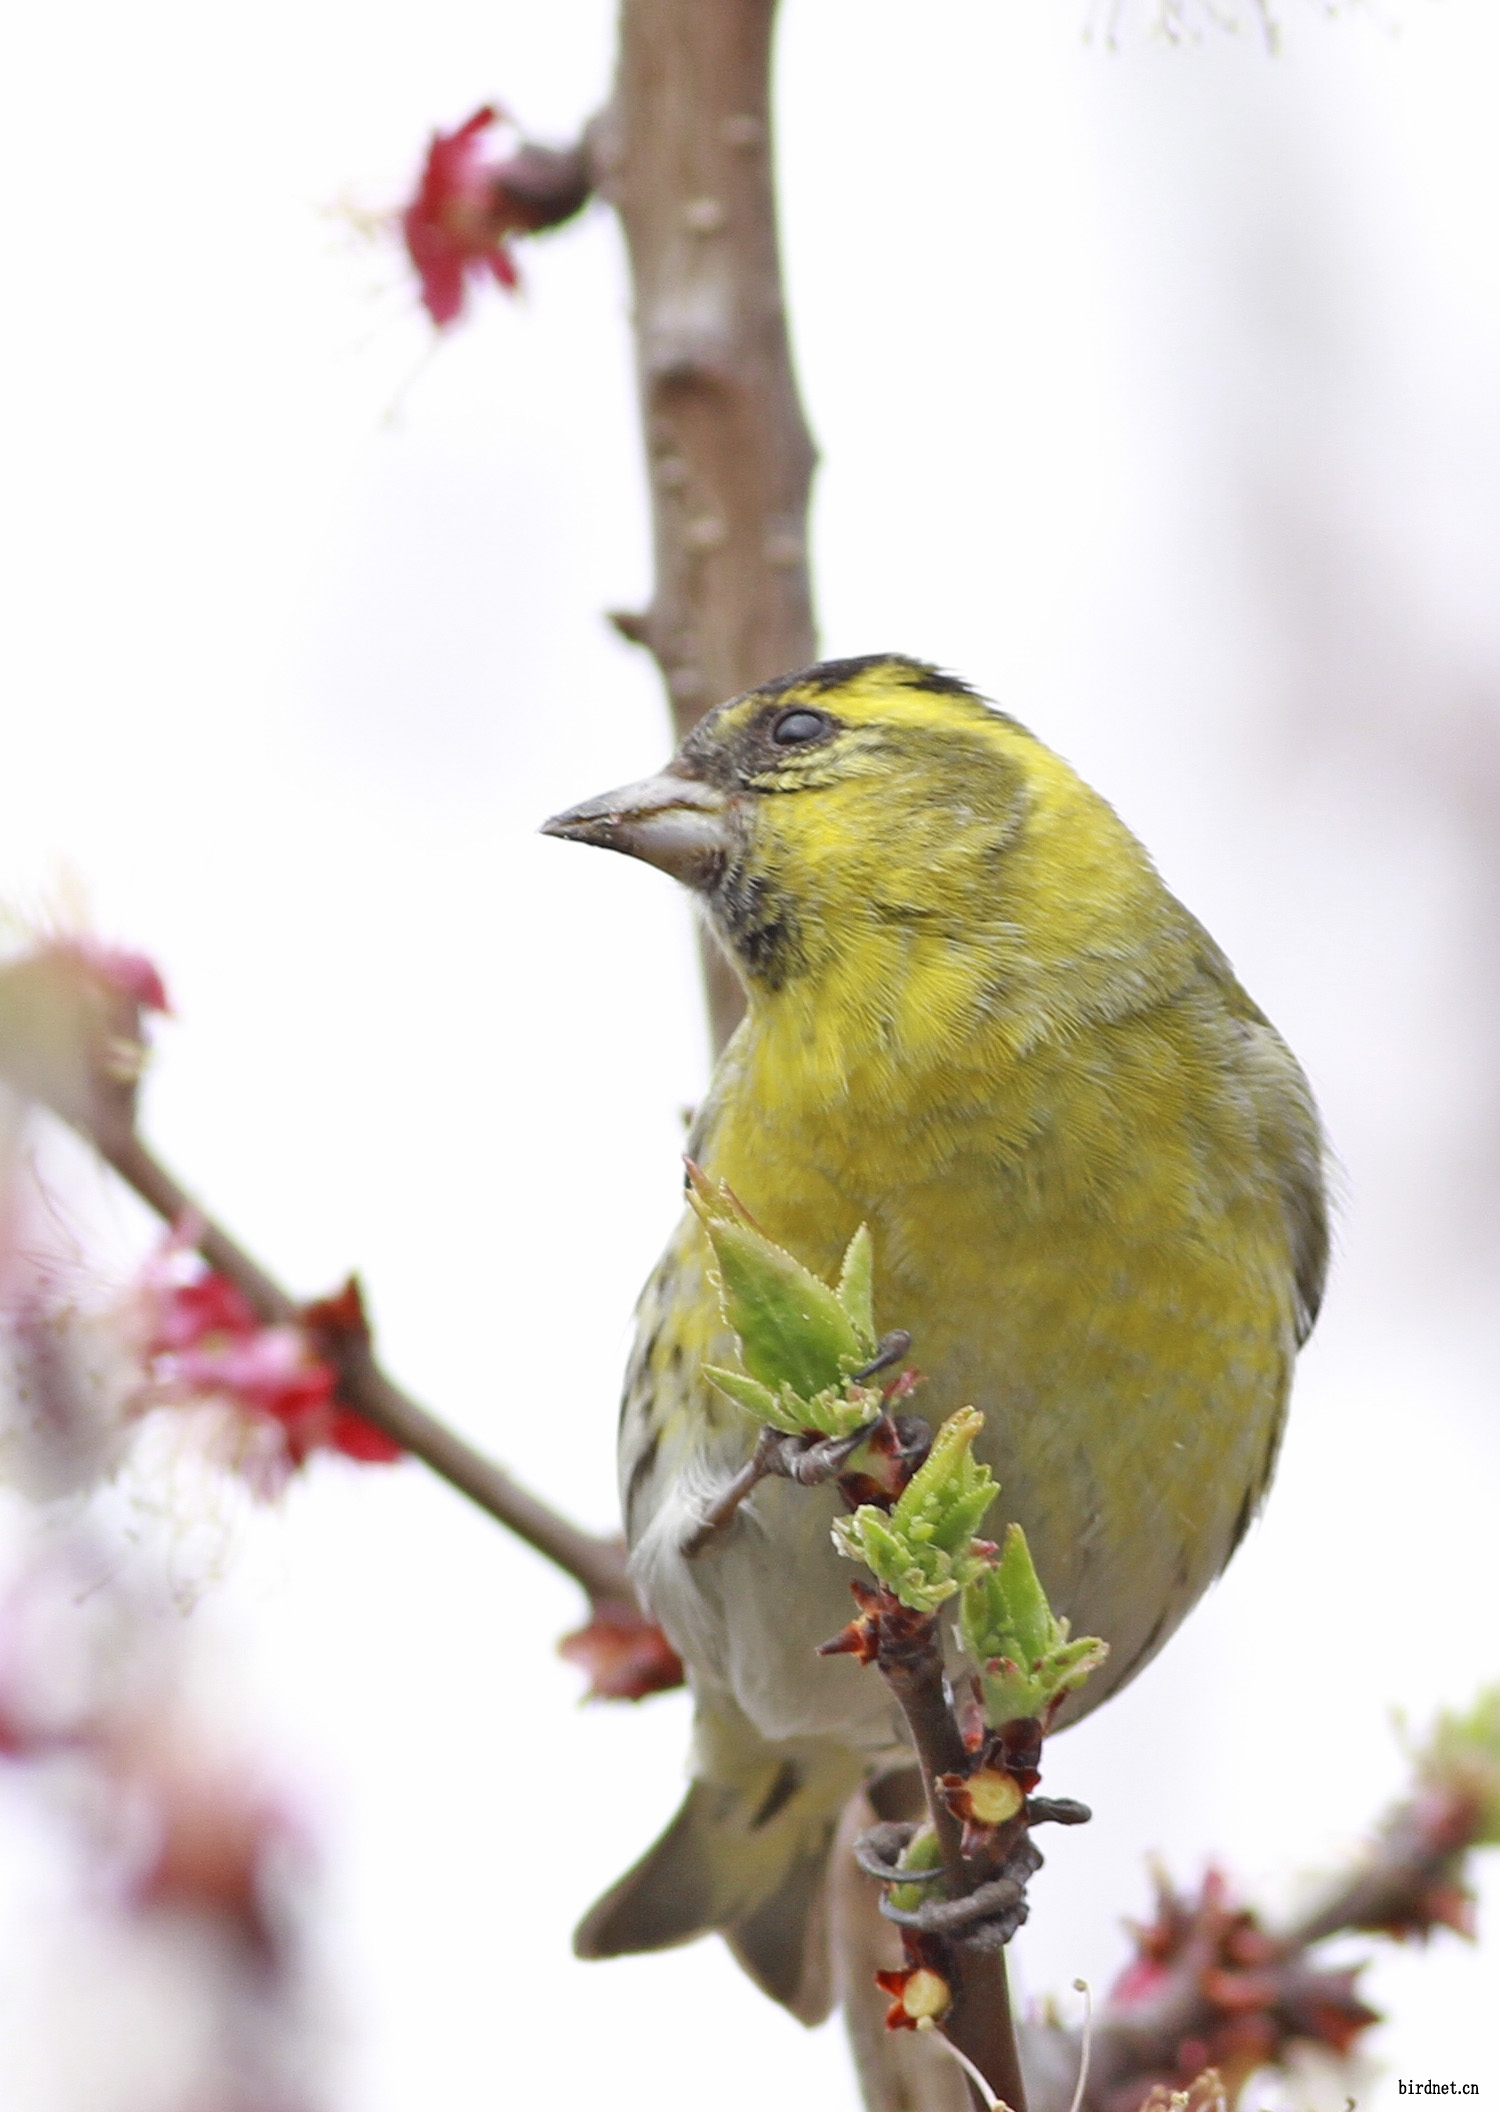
(1027, 1664)
(923, 1549)
(794, 1331)
(747, 1393)
(835, 1412)
(856, 1291)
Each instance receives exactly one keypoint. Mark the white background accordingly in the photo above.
(1158, 397)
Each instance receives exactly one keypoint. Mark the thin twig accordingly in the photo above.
(807, 1461)
(721, 1513)
(1411, 1876)
(599, 1565)
(71, 1039)
(1415, 1849)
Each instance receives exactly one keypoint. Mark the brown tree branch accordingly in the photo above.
(598, 1564)
(73, 1041)
(899, 2071)
(980, 2022)
(1410, 1877)
(683, 153)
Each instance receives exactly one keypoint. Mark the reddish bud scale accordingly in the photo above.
(1425, 1845)
(625, 1655)
(883, 1625)
(968, 1708)
(860, 1639)
(1018, 1749)
(341, 1318)
(986, 1799)
(1258, 1996)
(891, 1455)
(920, 1991)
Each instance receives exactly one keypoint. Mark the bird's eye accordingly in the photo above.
(798, 726)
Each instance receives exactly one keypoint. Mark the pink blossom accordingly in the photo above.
(133, 975)
(214, 1840)
(204, 1341)
(455, 227)
(468, 206)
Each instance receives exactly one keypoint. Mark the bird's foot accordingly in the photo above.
(996, 1908)
(803, 1457)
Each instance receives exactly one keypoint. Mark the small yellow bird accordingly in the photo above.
(978, 1022)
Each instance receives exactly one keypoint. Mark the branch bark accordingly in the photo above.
(596, 1563)
(899, 2071)
(683, 153)
(73, 1042)
(980, 2023)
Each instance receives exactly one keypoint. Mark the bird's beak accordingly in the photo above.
(673, 822)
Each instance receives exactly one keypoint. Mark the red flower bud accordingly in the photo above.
(467, 207)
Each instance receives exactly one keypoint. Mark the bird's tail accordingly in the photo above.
(746, 1855)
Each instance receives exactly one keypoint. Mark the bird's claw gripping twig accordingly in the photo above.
(878, 1851)
(891, 1349)
(800, 1458)
(823, 1459)
(999, 1904)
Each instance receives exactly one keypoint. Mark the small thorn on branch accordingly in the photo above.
(1058, 1811)
(633, 626)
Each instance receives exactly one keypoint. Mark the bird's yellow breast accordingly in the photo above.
(1088, 1248)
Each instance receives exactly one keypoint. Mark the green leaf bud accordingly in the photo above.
(1008, 1627)
(794, 1331)
(924, 1548)
(922, 1852)
(836, 1412)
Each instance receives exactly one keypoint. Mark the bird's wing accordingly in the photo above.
(1291, 1134)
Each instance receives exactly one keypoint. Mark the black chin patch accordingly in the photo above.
(757, 924)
